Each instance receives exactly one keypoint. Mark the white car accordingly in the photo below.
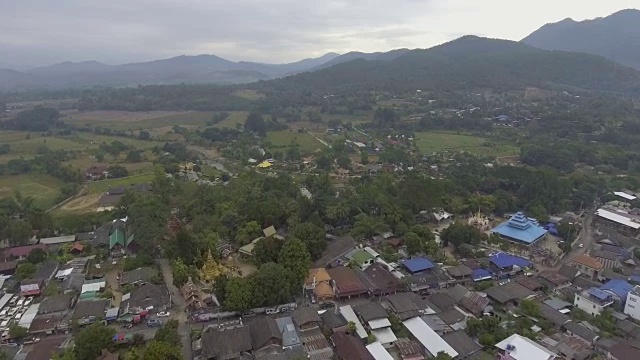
(164, 314)
(580, 246)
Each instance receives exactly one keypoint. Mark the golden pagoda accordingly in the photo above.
(211, 269)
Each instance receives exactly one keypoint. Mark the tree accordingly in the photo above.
(18, 332)
(530, 308)
(239, 295)
(134, 156)
(267, 250)
(162, 350)
(144, 135)
(36, 256)
(117, 171)
(169, 333)
(274, 284)
(220, 288)
(442, 356)
(312, 236)
(19, 231)
(25, 270)
(255, 123)
(295, 256)
(351, 327)
(248, 232)
(413, 242)
(92, 340)
(364, 157)
(181, 273)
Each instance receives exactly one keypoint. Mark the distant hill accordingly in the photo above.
(471, 63)
(353, 55)
(179, 69)
(616, 37)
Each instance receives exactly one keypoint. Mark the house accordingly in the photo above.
(408, 305)
(227, 344)
(96, 172)
(45, 348)
(58, 240)
(119, 242)
(529, 282)
(21, 252)
(306, 318)
(588, 266)
(624, 351)
(139, 276)
(507, 264)
(345, 282)
(360, 258)
(377, 350)
(460, 272)
(47, 324)
(552, 315)
(149, 297)
(31, 287)
(377, 321)
(517, 347)
(553, 280)
(521, 230)
(632, 305)
(56, 304)
(195, 299)
(457, 293)
(618, 288)
(510, 293)
(8, 267)
(581, 332)
(349, 347)
(593, 300)
(334, 321)
(319, 281)
(462, 344)
(618, 221)
(379, 281)
(442, 301)
(265, 337)
(428, 338)
(476, 304)
(567, 346)
(350, 315)
(90, 311)
(270, 231)
(417, 265)
(290, 338)
(409, 349)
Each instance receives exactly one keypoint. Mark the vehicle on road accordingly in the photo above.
(580, 246)
(272, 311)
(154, 323)
(249, 314)
(164, 314)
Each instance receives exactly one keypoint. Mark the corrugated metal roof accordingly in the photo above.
(428, 338)
(379, 352)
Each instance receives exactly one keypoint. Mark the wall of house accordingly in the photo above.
(587, 305)
(632, 307)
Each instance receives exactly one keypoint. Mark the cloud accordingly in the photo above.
(41, 31)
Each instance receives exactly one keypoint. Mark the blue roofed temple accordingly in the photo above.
(521, 229)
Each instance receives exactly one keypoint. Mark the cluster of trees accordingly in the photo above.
(40, 119)
(19, 217)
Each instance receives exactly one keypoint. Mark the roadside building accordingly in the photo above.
(345, 282)
(227, 344)
(379, 281)
(319, 282)
(588, 266)
(90, 311)
(149, 297)
(290, 338)
(265, 337)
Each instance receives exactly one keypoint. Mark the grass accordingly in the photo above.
(44, 189)
(103, 185)
(429, 142)
(122, 120)
(249, 94)
(281, 139)
(236, 117)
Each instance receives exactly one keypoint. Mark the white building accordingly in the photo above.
(593, 301)
(429, 339)
(517, 347)
(632, 306)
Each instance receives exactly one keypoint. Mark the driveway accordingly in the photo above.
(178, 312)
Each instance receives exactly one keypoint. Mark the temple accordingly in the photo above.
(521, 230)
(211, 270)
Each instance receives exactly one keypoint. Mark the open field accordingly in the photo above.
(236, 117)
(436, 141)
(102, 185)
(353, 119)
(282, 139)
(42, 188)
(82, 204)
(128, 120)
(249, 94)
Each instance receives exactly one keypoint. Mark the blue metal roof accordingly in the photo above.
(480, 274)
(417, 264)
(520, 228)
(504, 260)
(599, 294)
(619, 287)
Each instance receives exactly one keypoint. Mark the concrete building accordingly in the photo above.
(632, 306)
(593, 301)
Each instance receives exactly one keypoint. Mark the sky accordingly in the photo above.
(41, 32)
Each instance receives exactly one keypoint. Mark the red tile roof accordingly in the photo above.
(588, 261)
(347, 282)
(22, 251)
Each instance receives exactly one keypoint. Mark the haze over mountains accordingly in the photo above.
(616, 37)
(470, 62)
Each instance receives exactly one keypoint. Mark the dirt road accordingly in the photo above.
(178, 312)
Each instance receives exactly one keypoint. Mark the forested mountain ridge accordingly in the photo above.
(471, 62)
(616, 37)
(179, 69)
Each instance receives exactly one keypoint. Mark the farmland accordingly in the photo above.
(44, 189)
(103, 185)
(285, 138)
(428, 142)
(236, 117)
(125, 120)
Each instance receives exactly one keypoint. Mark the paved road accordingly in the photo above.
(178, 312)
(585, 237)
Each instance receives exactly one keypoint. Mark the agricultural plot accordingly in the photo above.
(103, 185)
(125, 120)
(44, 189)
(429, 142)
(285, 138)
(236, 117)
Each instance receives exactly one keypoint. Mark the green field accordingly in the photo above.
(121, 120)
(103, 185)
(44, 189)
(236, 117)
(429, 142)
(281, 139)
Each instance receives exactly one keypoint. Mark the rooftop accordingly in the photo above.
(522, 348)
(346, 281)
(350, 347)
(588, 261)
(361, 256)
(508, 292)
(520, 228)
(618, 218)
(371, 311)
(620, 288)
(288, 330)
(460, 271)
(88, 308)
(417, 264)
(504, 260)
(581, 331)
(143, 274)
(461, 343)
(263, 329)
(303, 315)
(624, 351)
(428, 338)
(553, 315)
(224, 344)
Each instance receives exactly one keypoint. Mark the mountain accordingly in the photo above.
(353, 55)
(471, 63)
(616, 37)
(179, 69)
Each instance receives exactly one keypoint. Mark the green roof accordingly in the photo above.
(116, 237)
(130, 239)
(362, 256)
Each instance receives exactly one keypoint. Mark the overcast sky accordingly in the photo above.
(39, 32)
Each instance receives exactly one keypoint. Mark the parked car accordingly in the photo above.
(249, 314)
(164, 314)
(272, 311)
(327, 305)
(154, 323)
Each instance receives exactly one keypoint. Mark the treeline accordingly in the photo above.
(40, 119)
